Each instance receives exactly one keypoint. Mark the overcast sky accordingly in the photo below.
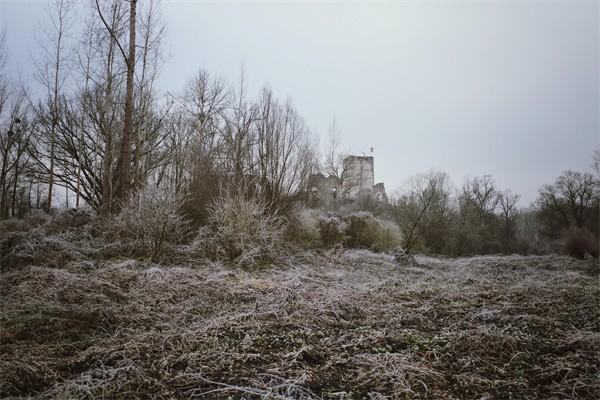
(503, 88)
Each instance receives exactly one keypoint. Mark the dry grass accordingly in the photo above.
(339, 324)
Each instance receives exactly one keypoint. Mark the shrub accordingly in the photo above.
(365, 231)
(10, 226)
(37, 217)
(388, 235)
(68, 219)
(303, 228)
(332, 231)
(33, 220)
(360, 230)
(37, 247)
(578, 242)
(240, 230)
(149, 223)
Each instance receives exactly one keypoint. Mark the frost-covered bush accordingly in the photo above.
(149, 223)
(43, 239)
(33, 220)
(302, 228)
(240, 230)
(332, 231)
(389, 235)
(68, 219)
(579, 241)
(37, 247)
(363, 230)
(37, 217)
(10, 226)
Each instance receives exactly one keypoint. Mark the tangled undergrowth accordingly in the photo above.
(339, 324)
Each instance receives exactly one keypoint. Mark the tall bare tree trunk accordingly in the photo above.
(55, 108)
(16, 180)
(81, 138)
(51, 172)
(107, 160)
(78, 177)
(128, 117)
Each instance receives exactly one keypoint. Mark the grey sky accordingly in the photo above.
(505, 88)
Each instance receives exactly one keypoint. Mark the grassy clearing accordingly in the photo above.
(349, 325)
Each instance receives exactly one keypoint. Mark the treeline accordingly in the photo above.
(102, 131)
(478, 218)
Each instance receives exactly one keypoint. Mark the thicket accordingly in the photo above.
(316, 228)
(148, 224)
(580, 241)
(363, 230)
(480, 219)
(240, 229)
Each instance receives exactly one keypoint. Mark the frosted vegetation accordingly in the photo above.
(141, 304)
(347, 323)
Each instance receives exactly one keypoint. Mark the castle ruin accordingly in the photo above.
(357, 179)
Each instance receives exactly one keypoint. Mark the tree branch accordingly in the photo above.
(108, 28)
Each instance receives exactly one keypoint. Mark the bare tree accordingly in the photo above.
(109, 133)
(480, 192)
(425, 206)
(285, 153)
(197, 129)
(87, 122)
(50, 74)
(570, 201)
(207, 105)
(527, 228)
(237, 147)
(508, 206)
(85, 61)
(126, 140)
(261, 148)
(105, 94)
(129, 108)
(333, 156)
(14, 141)
(10, 152)
(146, 122)
(477, 227)
(3, 54)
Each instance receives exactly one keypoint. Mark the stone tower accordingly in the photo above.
(358, 176)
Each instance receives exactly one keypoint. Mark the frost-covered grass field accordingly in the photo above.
(344, 325)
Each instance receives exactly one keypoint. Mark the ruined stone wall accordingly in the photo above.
(379, 192)
(324, 190)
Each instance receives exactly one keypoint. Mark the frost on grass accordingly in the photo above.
(350, 324)
(44, 240)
